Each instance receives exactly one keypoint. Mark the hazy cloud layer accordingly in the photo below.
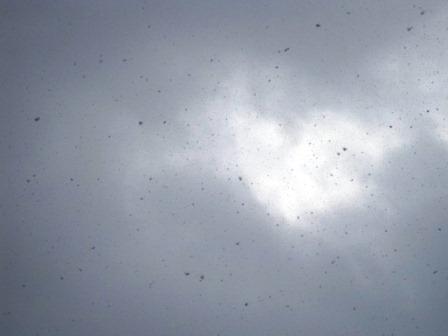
(223, 168)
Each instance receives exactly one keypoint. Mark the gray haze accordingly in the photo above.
(224, 167)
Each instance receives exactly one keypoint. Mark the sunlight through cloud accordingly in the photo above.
(324, 159)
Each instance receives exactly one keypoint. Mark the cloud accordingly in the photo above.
(183, 138)
(318, 161)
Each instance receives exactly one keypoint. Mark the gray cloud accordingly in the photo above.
(134, 202)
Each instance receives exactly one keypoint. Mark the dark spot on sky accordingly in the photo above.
(37, 119)
(286, 49)
(187, 273)
(317, 25)
(140, 123)
(246, 304)
(409, 28)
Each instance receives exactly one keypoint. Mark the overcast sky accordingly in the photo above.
(224, 167)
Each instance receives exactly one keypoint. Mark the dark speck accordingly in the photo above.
(317, 25)
(240, 178)
(286, 49)
(409, 28)
(140, 123)
(435, 272)
(187, 273)
(201, 278)
(246, 304)
(37, 119)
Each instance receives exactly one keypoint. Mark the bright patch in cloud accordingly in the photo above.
(322, 160)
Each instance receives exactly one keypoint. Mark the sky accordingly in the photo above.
(224, 167)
